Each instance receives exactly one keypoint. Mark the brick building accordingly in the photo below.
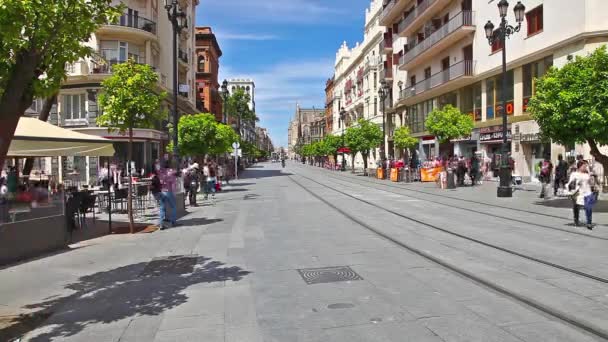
(208, 55)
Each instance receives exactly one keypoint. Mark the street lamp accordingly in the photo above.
(225, 98)
(382, 94)
(502, 33)
(343, 118)
(178, 20)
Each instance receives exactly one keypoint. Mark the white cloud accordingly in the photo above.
(279, 87)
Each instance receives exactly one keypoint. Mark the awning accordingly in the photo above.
(344, 150)
(35, 138)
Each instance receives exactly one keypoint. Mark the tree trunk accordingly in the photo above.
(352, 159)
(595, 152)
(16, 98)
(130, 195)
(42, 116)
(365, 164)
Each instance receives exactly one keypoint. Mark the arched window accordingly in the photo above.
(201, 63)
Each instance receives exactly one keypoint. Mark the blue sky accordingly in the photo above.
(287, 47)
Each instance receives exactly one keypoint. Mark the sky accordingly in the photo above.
(288, 47)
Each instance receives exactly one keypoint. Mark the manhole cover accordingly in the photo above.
(175, 265)
(328, 275)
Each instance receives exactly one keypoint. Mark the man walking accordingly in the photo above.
(169, 179)
(156, 190)
(546, 168)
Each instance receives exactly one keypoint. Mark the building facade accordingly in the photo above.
(307, 126)
(263, 140)
(329, 105)
(143, 33)
(440, 54)
(247, 85)
(208, 55)
(357, 78)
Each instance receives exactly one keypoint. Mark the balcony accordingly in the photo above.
(421, 14)
(444, 81)
(130, 27)
(386, 45)
(393, 11)
(460, 26)
(386, 74)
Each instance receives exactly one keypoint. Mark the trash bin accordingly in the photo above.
(380, 173)
(450, 181)
(394, 174)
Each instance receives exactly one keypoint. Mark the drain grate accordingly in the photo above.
(328, 275)
(172, 265)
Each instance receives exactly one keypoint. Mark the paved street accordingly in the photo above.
(305, 254)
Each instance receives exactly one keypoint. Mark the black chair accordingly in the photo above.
(120, 196)
(141, 197)
(72, 210)
(88, 205)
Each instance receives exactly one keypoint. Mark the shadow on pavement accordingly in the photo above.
(146, 288)
(263, 173)
(197, 222)
(233, 190)
(600, 207)
(240, 184)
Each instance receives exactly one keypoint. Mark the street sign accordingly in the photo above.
(235, 145)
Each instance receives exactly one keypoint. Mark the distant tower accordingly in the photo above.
(247, 85)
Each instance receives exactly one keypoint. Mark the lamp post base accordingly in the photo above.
(505, 189)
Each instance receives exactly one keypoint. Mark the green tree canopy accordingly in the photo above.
(403, 139)
(129, 100)
(332, 143)
(200, 135)
(37, 40)
(238, 106)
(571, 103)
(449, 123)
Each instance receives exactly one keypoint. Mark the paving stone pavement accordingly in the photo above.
(230, 272)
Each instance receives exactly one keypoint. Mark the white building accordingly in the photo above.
(441, 55)
(144, 33)
(358, 72)
(248, 86)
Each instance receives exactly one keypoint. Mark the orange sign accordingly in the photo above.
(430, 174)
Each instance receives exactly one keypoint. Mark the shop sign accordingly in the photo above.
(530, 137)
(493, 136)
(491, 129)
(525, 105)
(510, 108)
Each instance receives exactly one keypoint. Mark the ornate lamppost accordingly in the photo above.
(225, 98)
(343, 119)
(179, 22)
(500, 35)
(383, 94)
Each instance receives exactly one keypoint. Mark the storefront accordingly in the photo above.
(467, 146)
(528, 150)
(490, 141)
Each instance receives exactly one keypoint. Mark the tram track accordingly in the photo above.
(543, 226)
(514, 295)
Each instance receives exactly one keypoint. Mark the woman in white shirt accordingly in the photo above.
(582, 195)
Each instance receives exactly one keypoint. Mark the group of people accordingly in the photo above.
(581, 180)
(209, 178)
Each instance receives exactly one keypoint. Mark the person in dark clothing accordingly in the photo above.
(156, 190)
(561, 173)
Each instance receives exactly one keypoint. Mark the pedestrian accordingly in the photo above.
(169, 180)
(561, 171)
(221, 173)
(597, 172)
(156, 190)
(582, 194)
(474, 169)
(546, 168)
(209, 173)
(194, 179)
(461, 170)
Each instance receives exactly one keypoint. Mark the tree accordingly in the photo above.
(36, 42)
(237, 106)
(224, 137)
(368, 136)
(195, 134)
(571, 104)
(403, 140)
(449, 123)
(332, 144)
(130, 99)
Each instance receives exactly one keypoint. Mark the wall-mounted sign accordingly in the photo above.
(183, 88)
(493, 136)
(510, 108)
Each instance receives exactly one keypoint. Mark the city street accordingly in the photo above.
(305, 254)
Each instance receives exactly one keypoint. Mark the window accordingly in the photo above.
(494, 95)
(375, 80)
(427, 73)
(497, 44)
(534, 18)
(73, 107)
(471, 101)
(201, 63)
(531, 72)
